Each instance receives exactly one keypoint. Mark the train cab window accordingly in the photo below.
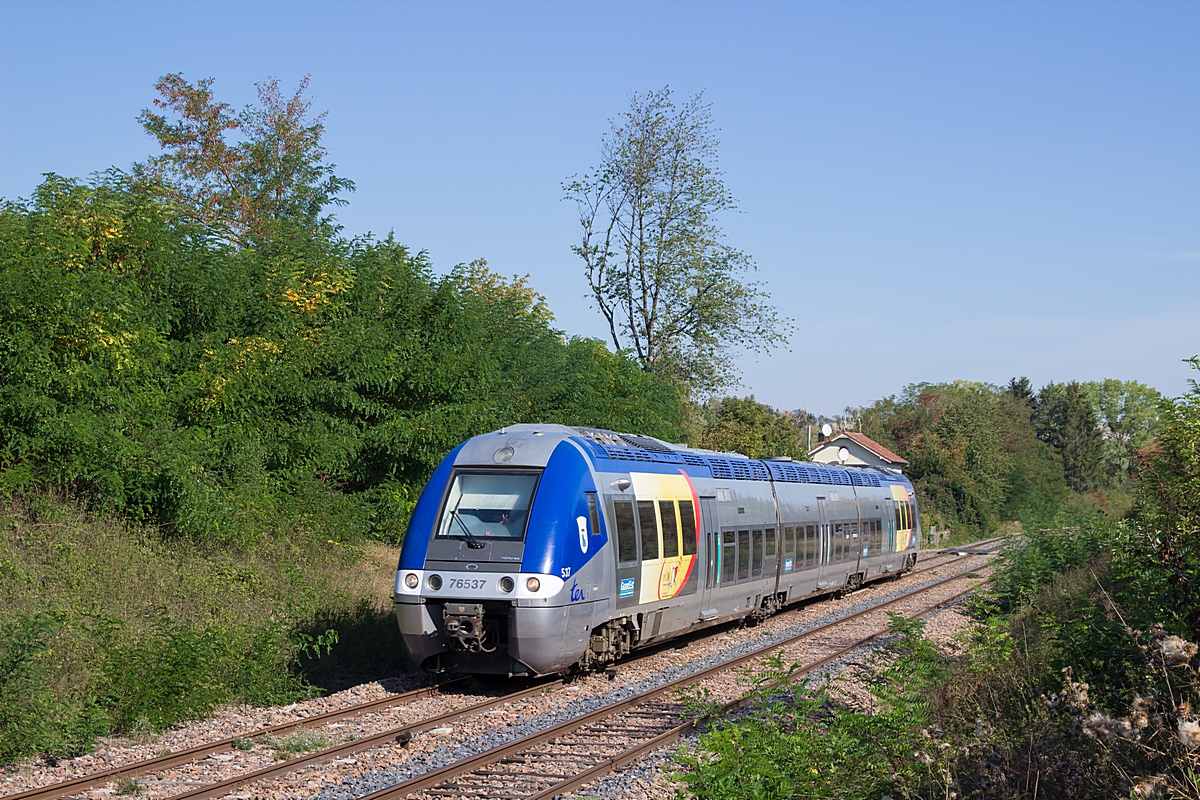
(687, 526)
(743, 560)
(626, 531)
(728, 557)
(649, 525)
(487, 505)
(789, 541)
(593, 513)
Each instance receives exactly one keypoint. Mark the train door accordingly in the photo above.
(824, 550)
(710, 526)
(887, 508)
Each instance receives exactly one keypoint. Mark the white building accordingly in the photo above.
(854, 449)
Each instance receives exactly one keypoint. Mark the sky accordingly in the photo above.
(931, 191)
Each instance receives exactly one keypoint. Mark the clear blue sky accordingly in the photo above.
(933, 190)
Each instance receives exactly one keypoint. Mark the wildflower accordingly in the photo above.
(1150, 787)
(1105, 728)
(1141, 713)
(1177, 650)
(1189, 733)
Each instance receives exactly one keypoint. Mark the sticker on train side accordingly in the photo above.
(627, 586)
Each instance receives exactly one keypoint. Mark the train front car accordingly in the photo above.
(504, 562)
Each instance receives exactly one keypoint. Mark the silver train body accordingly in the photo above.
(542, 549)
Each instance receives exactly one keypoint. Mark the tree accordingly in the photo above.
(240, 189)
(743, 425)
(1066, 420)
(1128, 413)
(658, 267)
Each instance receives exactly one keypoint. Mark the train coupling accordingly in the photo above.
(466, 630)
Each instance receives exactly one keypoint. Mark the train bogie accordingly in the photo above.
(540, 549)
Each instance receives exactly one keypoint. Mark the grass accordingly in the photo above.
(129, 786)
(292, 745)
(106, 628)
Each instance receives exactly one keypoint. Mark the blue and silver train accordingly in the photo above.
(546, 549)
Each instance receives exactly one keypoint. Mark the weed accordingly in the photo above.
(302, 741)
(243, 744)
(129, 786)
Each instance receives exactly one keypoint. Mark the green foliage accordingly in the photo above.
(1030, 561)
(672, 291)
(1066, 419)
(107, 628)
(800, 741)
(1169, 502)
(973, 456)
(742, 425)
(310, 383)
(1128, 413)
(272, 175)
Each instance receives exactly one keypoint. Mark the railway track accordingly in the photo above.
(391, 735)
(576, 752)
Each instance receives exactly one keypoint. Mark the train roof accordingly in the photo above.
(622, 448)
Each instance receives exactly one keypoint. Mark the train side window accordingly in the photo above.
(649, 526)
(769, 543)
(593, 513)
(728, 558)
(836, 541)
(670, 528)
(626, 531)
(810, 545)
(714, 550)
(687, 526)
(743, 560)
(789, 541)
(899, 526)
(756, 553)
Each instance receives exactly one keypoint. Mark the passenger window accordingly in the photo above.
(769, 543)
(811, 548)
(756, 553)
(789, 541)
(649, 526)
(714, 551)
(899, 526)
(728, 558)
(626, 531)
(743, 561)
(666, 509)
(687, 526)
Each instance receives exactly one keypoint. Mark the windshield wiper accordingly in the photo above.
(472, 542)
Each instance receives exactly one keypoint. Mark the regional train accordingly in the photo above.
(541, 549)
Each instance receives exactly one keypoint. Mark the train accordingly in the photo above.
(544, 549)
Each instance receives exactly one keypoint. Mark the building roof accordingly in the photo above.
(870, 444)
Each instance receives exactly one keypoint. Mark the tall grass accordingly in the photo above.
(107, 628)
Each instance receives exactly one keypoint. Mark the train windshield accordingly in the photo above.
(488, 506)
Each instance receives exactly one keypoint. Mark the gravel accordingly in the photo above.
(370, 770)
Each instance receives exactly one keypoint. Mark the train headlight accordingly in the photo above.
(533, 584)
(411, 580)
(434, 582)
(507, 584)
